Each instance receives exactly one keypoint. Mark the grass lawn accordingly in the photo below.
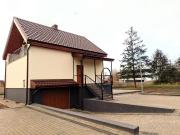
(157, 89)
(173, 89)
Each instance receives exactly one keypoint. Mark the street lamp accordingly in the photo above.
(120, 71)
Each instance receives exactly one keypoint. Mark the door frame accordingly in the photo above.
(80, 74)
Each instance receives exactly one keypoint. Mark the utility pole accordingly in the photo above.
(142, 89)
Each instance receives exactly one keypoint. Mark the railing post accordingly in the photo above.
(102, 91)
(111, 86)
(85, 79)
(101, 88)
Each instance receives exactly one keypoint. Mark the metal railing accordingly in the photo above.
(106, 79)
(98, 79)
(101, 85)
(89, 82)
(20, 52)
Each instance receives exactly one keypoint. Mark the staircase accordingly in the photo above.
(97, 89)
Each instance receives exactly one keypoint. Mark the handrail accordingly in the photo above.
(89, 78)
(104, 78)
(94, 82)
(18, 53)
(99, 85)
(102, 75)
(97, 76)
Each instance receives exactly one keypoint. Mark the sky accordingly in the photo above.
(104, 22)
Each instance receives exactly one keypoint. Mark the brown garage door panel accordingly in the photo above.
(56, 98)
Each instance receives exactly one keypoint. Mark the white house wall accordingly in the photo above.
(16, 73)
(99, 67)
(88, 67)
(49, 64)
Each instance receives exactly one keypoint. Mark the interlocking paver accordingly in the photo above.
(149, 124)
(149, 100)
(24, 121)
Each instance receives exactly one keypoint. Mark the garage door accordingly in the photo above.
(56, 98)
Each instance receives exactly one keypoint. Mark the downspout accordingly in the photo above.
(82, 81)
(73, 67)
(5, 81)
(111, 81)
(27, 75)
(95, 70)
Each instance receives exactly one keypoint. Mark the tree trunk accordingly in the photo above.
(135, 82)
(134, 75)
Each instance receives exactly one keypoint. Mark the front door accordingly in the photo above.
(80, 74)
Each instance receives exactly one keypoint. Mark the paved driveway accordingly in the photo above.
(119, 91)
(149, 100)
(150, 124)
(24, 121)
(17, 119)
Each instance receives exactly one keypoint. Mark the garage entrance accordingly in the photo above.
(61, 93)
(56, 98)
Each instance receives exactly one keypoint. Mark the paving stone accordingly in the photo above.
(149, 100)
(149, 124)
(25, 121)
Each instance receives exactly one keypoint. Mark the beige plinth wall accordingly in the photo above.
(16, 73)
(50, 64)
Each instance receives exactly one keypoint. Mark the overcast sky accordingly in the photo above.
(104, 22)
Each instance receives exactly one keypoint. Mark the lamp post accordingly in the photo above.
(142, 89)
(120, 70)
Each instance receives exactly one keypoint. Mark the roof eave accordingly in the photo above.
(53, 46)
(23, 34)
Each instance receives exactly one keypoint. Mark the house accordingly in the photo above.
(49, 66)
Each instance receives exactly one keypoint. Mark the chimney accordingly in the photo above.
(55, 26)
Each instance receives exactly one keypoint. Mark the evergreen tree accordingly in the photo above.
(177, 64)
(163, 70)
(133, 57)
(159, 64)
(168, 75)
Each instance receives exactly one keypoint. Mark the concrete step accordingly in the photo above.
(95, 123)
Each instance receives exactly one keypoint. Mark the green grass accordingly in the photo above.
(151, 88)
(175, 86)
(162, 86)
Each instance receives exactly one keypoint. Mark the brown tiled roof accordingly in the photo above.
(41, 33)
(49, 83)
